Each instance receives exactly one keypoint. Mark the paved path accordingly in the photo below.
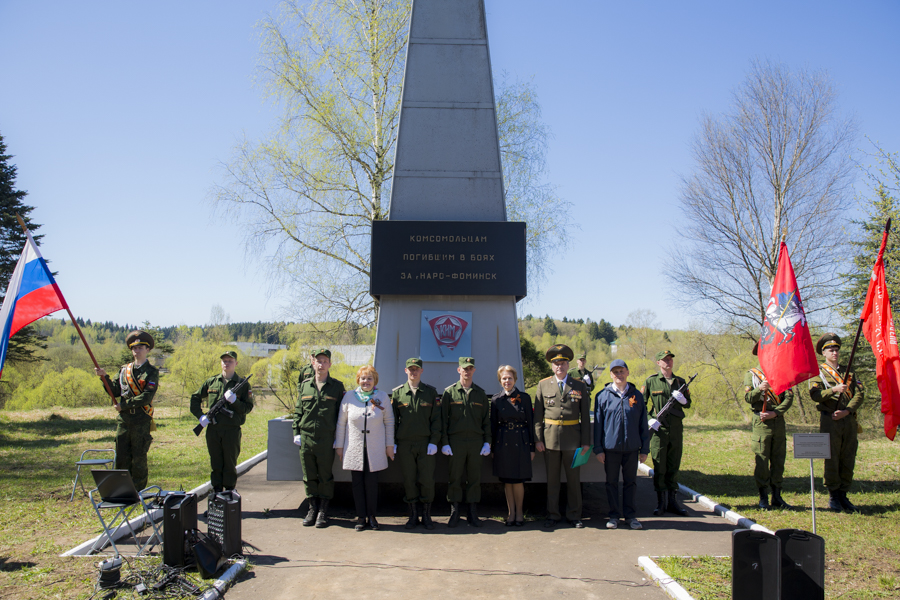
(293, 561)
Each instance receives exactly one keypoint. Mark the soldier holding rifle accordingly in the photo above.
(583, 374)
(133, 392)
(837, 396)
(223, 433)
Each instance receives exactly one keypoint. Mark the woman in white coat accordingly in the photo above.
(364, 441)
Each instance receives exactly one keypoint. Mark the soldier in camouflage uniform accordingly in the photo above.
(837, 399)
(583, 374)
(133, 390)
(223, 438)
(417, 418)
(315, 421)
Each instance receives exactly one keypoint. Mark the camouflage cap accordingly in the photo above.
(138, 337)
(466, 361)
(230, 353)
(559, 352)
(582, 356)
(663, 354)
(829, 340)
(413, 362)
(319, 351)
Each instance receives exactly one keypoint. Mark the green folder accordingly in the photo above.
(580, 457)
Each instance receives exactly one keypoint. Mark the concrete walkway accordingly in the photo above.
(494, 561)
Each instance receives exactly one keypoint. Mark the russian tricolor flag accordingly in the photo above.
(31, 294)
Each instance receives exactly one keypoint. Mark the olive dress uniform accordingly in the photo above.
(666, 444)
(768, 438)
(223, 438)
(562, 422)
(417, 422)
(465, 427)
(315, 420)
(133, 425)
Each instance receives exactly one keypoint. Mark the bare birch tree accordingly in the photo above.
(777, 165)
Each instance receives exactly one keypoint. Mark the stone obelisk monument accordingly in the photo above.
(447, 267)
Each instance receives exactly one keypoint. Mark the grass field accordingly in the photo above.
(38, 450)
(862, 550)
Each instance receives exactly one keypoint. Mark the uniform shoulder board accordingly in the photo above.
(546, 378)
(397, 388)
(447, 389)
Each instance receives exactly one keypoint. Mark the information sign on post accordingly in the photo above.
(812, 446)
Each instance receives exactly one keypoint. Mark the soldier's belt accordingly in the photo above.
(559, 422)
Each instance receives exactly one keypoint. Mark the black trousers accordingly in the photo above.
(627, 464)
(365, 489)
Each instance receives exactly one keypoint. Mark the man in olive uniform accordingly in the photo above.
(768, 438)
(562, 424)
(837, 399)
(315, 420)
(417, 422)
(133, 391)
(666, 443)
(583, 374)
(465, 438)
(307, 371)
(223, 438)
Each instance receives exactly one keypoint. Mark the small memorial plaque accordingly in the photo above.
(812, 445)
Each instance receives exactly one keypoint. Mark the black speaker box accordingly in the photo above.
(224, 521)
(802, 564)
(755, 565)
(179, 518)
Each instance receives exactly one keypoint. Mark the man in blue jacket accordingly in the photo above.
(621, 441)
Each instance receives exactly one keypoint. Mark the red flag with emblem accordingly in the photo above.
(878, 327)
(786, 352)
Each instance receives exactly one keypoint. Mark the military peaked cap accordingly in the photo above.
(829, 340)
(138, 337)
(559, 352)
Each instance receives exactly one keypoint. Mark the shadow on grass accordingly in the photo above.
(14, 566)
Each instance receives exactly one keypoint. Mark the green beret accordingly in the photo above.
(138, 337)
(559, 352)
(466, 361)
(319, 351)
(828, 340)
(414, 362)
(230, 353)
(663, 354)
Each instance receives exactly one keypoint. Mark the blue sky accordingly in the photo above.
(118, 114)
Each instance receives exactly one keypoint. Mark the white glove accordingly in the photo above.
(297, 439)
(679, 396)
(395, 448)
(654, 424)
(204, 421)
(230, 397)
(486, 449)
(432, 449)
(446, 451)
(587, 379)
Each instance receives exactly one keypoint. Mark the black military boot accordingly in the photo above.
(454, 515)
(311, 515)
(472, 517)
(764, 499)
(834, 500)
(426, 516)
(672, 505)
(777, 500)
(660, 504)
(413, 516)
(846, 504)
(322, 517)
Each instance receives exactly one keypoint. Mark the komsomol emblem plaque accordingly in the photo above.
(446, 335)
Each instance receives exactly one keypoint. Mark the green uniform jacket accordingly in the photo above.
(132, 406)
(316, 412)
(213, 389)
(417, 418)
(573, 405)
(755, 397)
(465, 415)
(579, 375)
(657, 392)
(828, 402)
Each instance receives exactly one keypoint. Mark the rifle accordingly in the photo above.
(221, 406)
(659, 421)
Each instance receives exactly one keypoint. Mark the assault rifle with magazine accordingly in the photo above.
(677, 398)
(221, 405)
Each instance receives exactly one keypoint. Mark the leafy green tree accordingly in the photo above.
(550, 326)
(534, 365)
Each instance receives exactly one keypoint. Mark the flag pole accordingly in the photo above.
(78, 329)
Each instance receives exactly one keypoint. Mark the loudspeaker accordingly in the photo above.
(224, 521)
(755, 565)
(802, 564)
(208, 554)
(179, 518)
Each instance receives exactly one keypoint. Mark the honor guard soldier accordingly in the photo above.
(465, 438)
(134, 389)
(562, 424)
(768, 439)
(315, 421)
(583, 374)
(667, 442)
(417, 419)
(223, 438)
(837, 399)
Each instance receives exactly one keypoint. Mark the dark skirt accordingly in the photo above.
(508, 480)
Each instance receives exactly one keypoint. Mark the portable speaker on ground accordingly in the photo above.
(179, 518)
(802, 564)
(224, 521)
(755, 565)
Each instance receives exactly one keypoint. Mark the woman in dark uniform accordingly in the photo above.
(512, 429)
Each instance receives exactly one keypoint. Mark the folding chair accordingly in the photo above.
(90, 462)
(115, 491)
